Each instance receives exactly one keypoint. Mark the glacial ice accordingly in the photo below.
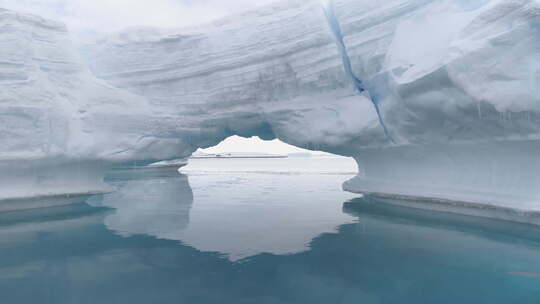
(455, 83)
(60, 126)
(335, 28)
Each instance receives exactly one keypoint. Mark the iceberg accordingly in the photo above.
(61, 128)
(436, 100)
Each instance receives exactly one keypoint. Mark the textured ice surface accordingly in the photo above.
(456, 83)
(275, 72)
(60, 127)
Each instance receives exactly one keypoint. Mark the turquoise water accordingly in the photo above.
(273, 231)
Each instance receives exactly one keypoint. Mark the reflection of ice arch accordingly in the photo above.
(243, 214)
(25, 226)
(372, 260)
(154, 202)
(238, 214)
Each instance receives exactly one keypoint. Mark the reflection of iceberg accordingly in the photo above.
(466, 209)
(43, 201)
(151, 201)
(66, 255)
(387, 256)
(245, 214)
(26, 225)
(444, 218)
(238, 215)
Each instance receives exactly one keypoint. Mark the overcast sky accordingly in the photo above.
(87, 17)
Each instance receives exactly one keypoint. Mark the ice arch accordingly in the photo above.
(457, 86)
(228, 79)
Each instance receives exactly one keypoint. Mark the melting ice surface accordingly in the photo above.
(276, 231)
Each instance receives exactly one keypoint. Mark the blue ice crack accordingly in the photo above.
(335, 27)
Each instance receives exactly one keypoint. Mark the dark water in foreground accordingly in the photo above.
(284, 234)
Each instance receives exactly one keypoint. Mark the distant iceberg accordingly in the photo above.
(200, 155)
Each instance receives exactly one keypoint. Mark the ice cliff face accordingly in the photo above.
(61, 127)
(425, 63)
(434, 99)
(275, 72)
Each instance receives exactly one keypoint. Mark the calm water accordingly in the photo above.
(259, 231)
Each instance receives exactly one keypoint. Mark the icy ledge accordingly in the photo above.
(37, 183)
(495, 179)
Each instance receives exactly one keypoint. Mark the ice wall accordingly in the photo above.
(454, 82)
(458, 83)
(61, 127)
(274, 72)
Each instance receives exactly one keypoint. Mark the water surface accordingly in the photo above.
(259, 231)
